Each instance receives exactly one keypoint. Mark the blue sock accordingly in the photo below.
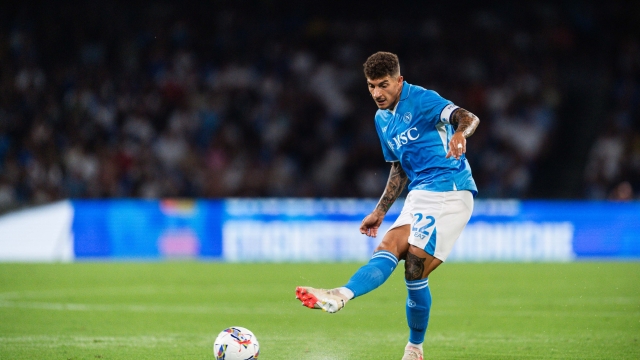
(374, 274)
(418, 307)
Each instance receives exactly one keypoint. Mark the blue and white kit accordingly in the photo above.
(440, 201)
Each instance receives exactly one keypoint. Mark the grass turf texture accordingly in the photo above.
(174, 310)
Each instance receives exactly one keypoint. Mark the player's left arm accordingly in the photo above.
(466, 123)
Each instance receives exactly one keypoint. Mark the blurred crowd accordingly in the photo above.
(613, 167)
(97, 101)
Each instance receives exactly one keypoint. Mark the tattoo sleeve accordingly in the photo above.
(395, 185)
(465, 121)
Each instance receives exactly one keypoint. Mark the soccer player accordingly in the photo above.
(423, 136)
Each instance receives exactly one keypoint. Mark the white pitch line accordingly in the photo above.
(134, 308)
(103, 341)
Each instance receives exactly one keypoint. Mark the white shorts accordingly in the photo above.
(437, 219)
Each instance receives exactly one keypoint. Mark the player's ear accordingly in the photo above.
(400, 79)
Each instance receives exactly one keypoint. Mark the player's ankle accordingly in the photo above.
(345, 293)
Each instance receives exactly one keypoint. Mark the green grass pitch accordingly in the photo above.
(174, 310)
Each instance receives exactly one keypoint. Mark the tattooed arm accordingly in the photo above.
(466, 123)
(395, 185)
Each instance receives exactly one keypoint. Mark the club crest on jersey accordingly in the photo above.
(406, 117)
(404, 137)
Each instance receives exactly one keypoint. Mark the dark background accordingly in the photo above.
(267, 98)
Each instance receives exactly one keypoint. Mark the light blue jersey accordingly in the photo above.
(417, 134)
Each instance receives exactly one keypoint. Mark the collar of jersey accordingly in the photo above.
(405, 91)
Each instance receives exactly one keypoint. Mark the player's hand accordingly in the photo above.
(371, 223)
(457, 146)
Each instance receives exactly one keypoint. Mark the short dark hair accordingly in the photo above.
(381, 64)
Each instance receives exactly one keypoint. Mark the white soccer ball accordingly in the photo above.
(236, 343)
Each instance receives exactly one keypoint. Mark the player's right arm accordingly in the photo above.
(395, 185)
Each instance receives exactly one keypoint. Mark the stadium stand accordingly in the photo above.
(215, 99)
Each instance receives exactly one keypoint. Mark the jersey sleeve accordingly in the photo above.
(389, 156)
(436, 108)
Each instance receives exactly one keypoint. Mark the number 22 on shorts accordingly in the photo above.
(422, 225)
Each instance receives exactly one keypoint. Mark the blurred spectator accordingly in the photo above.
(622, 192)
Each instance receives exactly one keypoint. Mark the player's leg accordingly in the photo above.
(394, 246)
(396, 240)
(439, 221)
(417, 267)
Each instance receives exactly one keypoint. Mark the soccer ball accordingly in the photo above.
(236, 343)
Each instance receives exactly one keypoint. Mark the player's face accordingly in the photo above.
(385, 91)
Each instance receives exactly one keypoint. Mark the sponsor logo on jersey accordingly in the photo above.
(390, 144)
(404, 137)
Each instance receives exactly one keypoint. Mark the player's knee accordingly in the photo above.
(397, 248)
(414, 267)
